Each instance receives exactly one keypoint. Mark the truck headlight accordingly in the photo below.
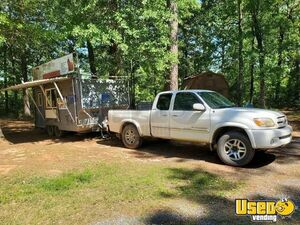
(264, 122)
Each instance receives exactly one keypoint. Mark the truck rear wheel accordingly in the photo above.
(235, 149)
(131, 137)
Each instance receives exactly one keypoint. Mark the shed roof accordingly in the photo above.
(34, 83)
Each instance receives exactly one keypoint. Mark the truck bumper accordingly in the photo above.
(271, 138)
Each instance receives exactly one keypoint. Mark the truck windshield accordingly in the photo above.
(215, 100)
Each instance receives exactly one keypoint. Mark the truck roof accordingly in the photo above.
(190, 90)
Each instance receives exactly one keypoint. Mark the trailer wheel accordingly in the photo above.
(57, 132)
(235, 149)
(131, 137)
(50, 131)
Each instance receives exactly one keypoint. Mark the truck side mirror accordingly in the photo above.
(198, 107)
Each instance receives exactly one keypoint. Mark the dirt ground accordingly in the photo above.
(272, 174)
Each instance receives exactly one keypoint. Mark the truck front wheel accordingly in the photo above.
(235, 149)
(131, 137)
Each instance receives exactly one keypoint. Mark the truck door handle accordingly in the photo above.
(164, 114)
(175, 115)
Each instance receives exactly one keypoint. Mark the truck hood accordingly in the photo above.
(245, 116)
(254, 111)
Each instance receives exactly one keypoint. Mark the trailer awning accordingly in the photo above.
(35, 83)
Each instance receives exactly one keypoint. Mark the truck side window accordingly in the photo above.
(185, 101)
(163, 102)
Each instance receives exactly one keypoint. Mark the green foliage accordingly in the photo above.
(132, 38)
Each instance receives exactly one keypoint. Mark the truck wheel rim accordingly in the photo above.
(235, 149)
(130, 136)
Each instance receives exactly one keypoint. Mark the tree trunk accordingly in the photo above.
(172, 5)
(132, 86)
(297, 73)
(259, 37)
(252, 61)
(185, 53)
(5, 76)
(16, 80)
(71, 44)
(222, 55)
(113, 47)
(91, 58)
(262, 76)
(27, 112)
(240, 53)
(279, 63)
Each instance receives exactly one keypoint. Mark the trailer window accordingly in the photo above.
(163, 102)
(51, 98)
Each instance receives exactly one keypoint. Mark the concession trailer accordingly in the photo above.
(67, 99)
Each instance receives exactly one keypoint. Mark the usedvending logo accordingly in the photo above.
(265, 210)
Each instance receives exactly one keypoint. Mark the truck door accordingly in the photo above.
(185, 122)
(160, 117)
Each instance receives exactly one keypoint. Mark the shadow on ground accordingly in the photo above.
(24, 132)
(209, 192)
(17, 132)
(184, 152)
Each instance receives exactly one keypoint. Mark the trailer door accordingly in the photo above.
(39, 120)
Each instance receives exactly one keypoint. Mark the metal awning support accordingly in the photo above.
(34, 83)
(62, 99)
(47, 100)
(44, 93)
(32, 99)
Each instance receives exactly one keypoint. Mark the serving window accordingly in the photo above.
(51, 98)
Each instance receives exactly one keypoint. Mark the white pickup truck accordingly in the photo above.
(204, 116)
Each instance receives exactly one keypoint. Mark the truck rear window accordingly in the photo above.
(163, 102)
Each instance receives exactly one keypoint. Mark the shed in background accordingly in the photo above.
(208, 81)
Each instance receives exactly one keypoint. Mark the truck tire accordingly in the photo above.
(50, 131)
(235, 149)
(131, 137)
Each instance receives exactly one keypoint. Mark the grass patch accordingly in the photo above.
(195, 183)
(101, 191)
(67, 181)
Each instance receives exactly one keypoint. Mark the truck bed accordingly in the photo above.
(141, 118)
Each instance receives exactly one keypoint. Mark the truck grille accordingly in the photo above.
(282, 121)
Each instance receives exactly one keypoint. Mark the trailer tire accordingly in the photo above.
(50, 131)
(57, 132)
(131, 137)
